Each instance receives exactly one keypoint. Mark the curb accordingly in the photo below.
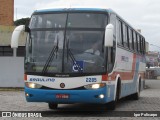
(11, 89)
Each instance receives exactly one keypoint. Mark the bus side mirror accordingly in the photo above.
(109, 35)
(16, 35)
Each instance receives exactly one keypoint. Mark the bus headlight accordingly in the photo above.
(95, 86)
(33, 85)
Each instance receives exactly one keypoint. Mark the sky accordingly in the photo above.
(141, 14)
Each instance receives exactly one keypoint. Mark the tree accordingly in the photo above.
(22, 21)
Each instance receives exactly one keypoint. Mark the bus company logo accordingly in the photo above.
(6, 114)
(42, 80)
(124, 58)
(21, 114)
(62, 85)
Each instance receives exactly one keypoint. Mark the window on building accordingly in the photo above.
(21, 51)
(6, 51)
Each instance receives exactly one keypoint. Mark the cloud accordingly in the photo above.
(141, 14)
(69, 3)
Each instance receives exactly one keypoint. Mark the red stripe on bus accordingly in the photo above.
(105, 77)
(124, 75)
(25, 77)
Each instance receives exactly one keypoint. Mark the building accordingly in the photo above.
(11, 60)
(152, 58)
(6, 12)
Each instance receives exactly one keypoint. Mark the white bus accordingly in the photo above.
(81, 55)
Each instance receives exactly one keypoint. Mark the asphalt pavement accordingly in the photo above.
(149, 101)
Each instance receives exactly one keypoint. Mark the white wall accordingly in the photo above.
(11, 71)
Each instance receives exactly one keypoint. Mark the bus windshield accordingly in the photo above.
(66, 43)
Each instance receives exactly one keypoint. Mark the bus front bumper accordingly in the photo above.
(75, 96)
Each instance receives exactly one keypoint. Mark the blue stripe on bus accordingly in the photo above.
(76, 96)
(130, 88)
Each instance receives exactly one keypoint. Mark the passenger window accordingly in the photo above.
(130, 39)
(125, 36)
(135, 41)
(138, 43)
(143, 47)
(119, 33)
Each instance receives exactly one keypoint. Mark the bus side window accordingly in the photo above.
(133, 45)
(140, 45)
(119, 32)
(142, 48)
(134, 39)
(138, 42)
(110, 59)
(111, 51)
(130, 39)
(144, 45)
(125, 35)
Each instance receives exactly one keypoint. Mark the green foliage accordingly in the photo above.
(23, 21)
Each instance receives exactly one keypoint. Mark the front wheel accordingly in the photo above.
(52, 106)
(112, 105)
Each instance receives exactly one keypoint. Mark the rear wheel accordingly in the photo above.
(136, 95)
(52, 106)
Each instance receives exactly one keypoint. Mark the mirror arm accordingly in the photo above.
(27, 29)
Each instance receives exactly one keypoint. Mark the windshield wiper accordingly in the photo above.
(69, 53)
(51, 57)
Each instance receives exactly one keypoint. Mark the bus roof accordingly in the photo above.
(73, 9)
(79, 8)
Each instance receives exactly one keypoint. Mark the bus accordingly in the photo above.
(81, 55)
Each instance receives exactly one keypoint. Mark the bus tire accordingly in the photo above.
(52, 106)
(112, 105)
(136, 95)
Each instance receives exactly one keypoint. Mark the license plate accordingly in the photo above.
(62, 96)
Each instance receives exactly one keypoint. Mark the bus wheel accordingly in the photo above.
(112, 105)
(52, 106)
(136, 95)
